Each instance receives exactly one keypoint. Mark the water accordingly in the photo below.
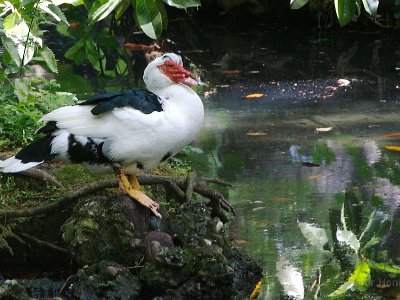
(293, 151)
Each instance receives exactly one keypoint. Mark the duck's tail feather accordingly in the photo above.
(32, 155)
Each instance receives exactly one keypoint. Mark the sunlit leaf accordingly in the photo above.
(11, 20)
(349, 238)
(150, 16)
(183, 3)
(384, 267)
(371, 6)
(255, 95)
(49, 58)
(99, 12)
(345, 11)
(392, 148)
(290, 278)
(53, 11)
(315, 236)
(359, 280)
(296, 4)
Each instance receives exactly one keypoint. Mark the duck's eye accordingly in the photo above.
(170, 65)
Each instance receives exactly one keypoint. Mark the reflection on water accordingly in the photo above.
(286, 173)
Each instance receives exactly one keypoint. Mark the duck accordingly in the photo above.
(127, 132)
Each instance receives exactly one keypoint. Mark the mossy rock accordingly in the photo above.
(99, 229)
(104, 280)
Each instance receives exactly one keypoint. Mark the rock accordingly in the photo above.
(163, 238)
(11, 289)
(102, 230)
(97, 282)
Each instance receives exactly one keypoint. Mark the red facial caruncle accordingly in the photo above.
(177, 73)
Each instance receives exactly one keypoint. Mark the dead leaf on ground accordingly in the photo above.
(323, 129)
(138, 47)
(239, 242)
(231, 72)
(343, 82)
(393, 148)
(315, 177)
(393, 134)
(255, 95)
(256, 133)
(74, 25)
(280, 199)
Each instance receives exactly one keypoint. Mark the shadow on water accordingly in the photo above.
(298, 126)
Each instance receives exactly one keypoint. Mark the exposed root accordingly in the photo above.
(182, 190)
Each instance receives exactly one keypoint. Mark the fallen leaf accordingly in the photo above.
(315, 177)
(256, 291)
(323, 129)
(392, 148)
(394, 134)
(257, 133)
(138, 47)
(280, 199)
(74, 25)
(240, 242)
(255, 95)
(230, 72)
(343, 82)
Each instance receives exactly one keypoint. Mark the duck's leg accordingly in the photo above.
(132, 188)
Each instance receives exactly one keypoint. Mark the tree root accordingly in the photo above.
(182, 190)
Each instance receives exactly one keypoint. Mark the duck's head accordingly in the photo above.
(166, 70)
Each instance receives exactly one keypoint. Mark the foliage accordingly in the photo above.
(24, 104)
(346, 10)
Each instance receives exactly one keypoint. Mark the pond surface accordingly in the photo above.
(293, 147)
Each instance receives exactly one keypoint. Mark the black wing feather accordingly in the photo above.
(143, 100)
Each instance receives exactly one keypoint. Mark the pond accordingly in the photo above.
(298, 143)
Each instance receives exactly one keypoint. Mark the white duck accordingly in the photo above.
(129, 131)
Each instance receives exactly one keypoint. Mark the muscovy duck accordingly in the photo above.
(128, 132)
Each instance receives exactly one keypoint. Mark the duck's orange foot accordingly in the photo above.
(136, 194)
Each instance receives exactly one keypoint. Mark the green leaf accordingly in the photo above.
(76, 53)
(384, 267)
(100, 11)
(121, 8)
(11, 20)
(92, 53)
(315, 236)
(49, 58)
(371, 6)
(58, 12)
(22, 88)
(360, 280)
(149, 17)
(345, 11)
(11, 49)
(296, 4)
(72, 2)
(183, 3)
